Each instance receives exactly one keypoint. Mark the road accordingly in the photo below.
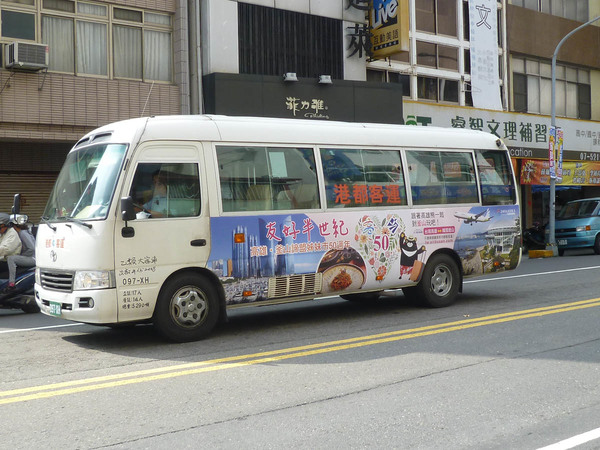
(515, 363)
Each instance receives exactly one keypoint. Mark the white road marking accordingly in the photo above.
(41, 328)
(532, 274)
(574, 441)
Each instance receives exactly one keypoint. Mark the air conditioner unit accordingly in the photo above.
(26, 56)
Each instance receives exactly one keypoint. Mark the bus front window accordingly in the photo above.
(86, 183)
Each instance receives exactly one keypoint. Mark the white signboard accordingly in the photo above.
(520, 132)
(485, 84)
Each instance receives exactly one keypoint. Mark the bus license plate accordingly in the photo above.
(55, 308)
(562, 242)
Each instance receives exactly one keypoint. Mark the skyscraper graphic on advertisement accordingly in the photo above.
(267, 263)
(241, 254)
(285, 262)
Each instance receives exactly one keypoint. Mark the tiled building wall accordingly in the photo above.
(63, 107)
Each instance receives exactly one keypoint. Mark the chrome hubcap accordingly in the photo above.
(189, 306)
(441, 281)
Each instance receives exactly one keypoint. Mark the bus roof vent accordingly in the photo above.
(292, 285)
(101, 137)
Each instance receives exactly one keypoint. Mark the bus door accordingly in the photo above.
(171, 230)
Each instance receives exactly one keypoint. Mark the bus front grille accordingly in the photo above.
(57, 281)
(292, 285)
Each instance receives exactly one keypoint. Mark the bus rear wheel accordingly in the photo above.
(440, 282)
(187, 308)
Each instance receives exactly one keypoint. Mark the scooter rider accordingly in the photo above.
(10, 243)
(25, 259)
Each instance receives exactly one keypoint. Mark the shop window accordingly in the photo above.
(584, 96)
(157, 52)
(437, 56)
(520, 92)
(127, 52)
(18, 25)
(128, 15)
(436, 16)
(59, 5)
(58, 33)
(437, 89)
(532, 82)
(91, 48)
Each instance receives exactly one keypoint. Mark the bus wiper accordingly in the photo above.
(47, 222)
(78, 221)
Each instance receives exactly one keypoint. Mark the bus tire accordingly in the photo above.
(187, 308)
(363, 297)
(440, 282)
(597, 245)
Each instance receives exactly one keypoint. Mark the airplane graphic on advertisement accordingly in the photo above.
(483, 216)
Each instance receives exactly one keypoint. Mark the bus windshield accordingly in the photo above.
(86, 183)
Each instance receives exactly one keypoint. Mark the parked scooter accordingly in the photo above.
(534, 238)
(22, 297)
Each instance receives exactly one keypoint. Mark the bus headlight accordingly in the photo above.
(93, 279)
(38, 277)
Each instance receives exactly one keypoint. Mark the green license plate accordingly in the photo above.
(55, 308)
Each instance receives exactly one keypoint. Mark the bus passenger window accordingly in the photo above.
(497, 187)
(442, 177)
(166, 190)
(267, 178)
(360, 178)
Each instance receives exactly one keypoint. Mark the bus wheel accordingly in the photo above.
(187, 308)
(597, 245)
(440, 282)
(366, 297)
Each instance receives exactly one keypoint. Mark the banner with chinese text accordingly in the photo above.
(537, 172)
(485, 76)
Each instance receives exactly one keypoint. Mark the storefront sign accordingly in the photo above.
(485, 77)
(270, 96)
(526, 135)
(388, 20)
(537, 172)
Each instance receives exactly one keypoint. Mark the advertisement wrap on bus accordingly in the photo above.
(357, 251)
(174, 220)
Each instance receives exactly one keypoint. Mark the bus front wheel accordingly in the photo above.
(440, 282)
(187, 308)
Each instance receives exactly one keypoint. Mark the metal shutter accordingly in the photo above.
(34, 189)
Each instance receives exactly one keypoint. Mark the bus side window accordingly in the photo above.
(360, 178)
(497, 186)
(166, 190)
(267, 178)
(442, 177)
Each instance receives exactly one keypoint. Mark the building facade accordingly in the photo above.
(69, 66)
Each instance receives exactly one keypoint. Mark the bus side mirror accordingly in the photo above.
(16, 208)
(127, 209)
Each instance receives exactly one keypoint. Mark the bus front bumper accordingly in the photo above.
(90, 306)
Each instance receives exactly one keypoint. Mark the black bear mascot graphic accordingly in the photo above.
(409, 254)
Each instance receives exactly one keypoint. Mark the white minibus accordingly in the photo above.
(175, 219)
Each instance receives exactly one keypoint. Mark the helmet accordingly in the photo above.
(4, 219)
